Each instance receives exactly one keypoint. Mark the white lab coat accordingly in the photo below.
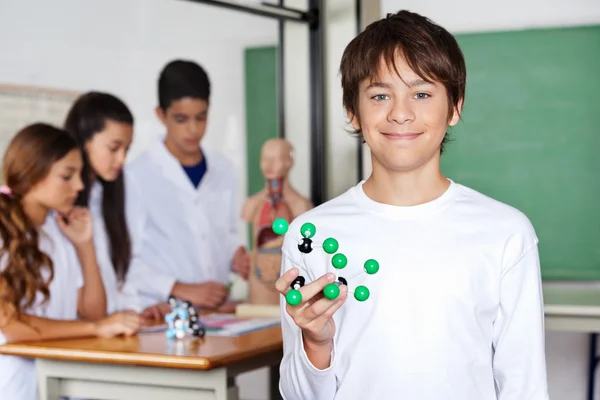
(119, 296)
(179, 232)
(17, 374)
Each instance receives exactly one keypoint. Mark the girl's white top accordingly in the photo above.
(119, 295)
(17, 375)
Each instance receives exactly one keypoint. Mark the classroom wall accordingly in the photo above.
(120, 46)
(566, 352)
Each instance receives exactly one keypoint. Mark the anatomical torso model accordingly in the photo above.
(277, 200)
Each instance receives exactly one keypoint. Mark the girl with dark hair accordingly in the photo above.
(48, 270)
(103, 127)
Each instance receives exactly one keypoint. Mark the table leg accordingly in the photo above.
(48, 387)
(274, 383)
(592, 365)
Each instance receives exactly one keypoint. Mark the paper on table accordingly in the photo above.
(224, 325)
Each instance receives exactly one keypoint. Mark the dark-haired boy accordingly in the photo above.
(455, 310)
(181, 197)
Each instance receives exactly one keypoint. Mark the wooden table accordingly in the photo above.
(150, 367)
(575, 308)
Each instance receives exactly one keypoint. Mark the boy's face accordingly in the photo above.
(185, 120)
(403, 118)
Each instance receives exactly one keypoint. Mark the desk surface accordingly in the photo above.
(153, 349)
(572, 299)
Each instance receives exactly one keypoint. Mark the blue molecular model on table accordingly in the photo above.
(338, 261)
(183, 320)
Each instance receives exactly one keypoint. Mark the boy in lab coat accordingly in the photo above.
(181, 201)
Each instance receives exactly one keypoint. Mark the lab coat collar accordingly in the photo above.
(173, 171)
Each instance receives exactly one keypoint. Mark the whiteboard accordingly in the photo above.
(24, 105)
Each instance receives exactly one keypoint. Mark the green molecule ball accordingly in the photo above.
(361, 293)
(308, 230)
(293, 297)
(280, 226)
(331, 291)
(371, 266)
(330, 245)
(339, 261)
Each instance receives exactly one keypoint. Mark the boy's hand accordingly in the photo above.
(315, 314)
(77, 226)
(241, 262)
(208, 294)
(122, 323)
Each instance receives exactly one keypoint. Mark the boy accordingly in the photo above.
(181, 201)
(455, 309)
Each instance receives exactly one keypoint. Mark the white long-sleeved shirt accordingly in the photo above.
(456, 306)
(179, 232)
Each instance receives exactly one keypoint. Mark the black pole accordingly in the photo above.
(288, 14)
(317, 95)
(281, 77)
(593, 363)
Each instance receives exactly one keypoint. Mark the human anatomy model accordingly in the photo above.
(277, 200)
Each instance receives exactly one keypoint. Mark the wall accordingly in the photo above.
(120, 46)
(480, 16)
(566, 352)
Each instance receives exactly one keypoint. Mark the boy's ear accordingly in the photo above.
(161, 114)
(353, 120)
(457, 112)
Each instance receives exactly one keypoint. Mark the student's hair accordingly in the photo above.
(27, 161)
(180, 79)
(429, 50)
(87, 117)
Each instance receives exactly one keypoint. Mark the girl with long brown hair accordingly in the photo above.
(48, 271)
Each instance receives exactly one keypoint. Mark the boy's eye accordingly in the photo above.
(67, 177)
(180, 120)
(380, 97)
(422, 96)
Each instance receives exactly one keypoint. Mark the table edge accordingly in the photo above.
(142, 359)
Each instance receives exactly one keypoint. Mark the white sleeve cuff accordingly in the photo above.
(309, 367)
(164, 286)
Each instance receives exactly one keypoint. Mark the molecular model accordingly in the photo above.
(338, 260)
(183, 320)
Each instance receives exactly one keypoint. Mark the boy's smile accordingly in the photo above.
(401, 135)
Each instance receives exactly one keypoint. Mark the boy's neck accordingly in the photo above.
(408, 188)
(185, 159)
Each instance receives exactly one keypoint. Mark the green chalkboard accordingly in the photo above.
(260, 77)
(530, 137)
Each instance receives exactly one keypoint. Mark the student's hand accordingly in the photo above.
(157, 312)
(77, 226)
(125, 323)
(315, 314)
(241, 262)
(208, 294)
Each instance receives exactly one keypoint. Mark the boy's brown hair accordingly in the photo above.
(429, 50)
